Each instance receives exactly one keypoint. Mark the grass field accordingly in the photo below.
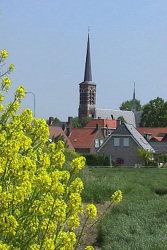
(140, 221)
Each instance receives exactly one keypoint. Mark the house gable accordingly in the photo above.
(122, 146)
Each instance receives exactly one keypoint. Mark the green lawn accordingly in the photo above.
(140, 221)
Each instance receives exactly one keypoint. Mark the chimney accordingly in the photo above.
(106, 130)
(51, 120)
(118, 123)
(68, 131)
(98, 127)
(63, 126)
(69, 121)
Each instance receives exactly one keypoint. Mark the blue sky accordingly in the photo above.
(46, 40)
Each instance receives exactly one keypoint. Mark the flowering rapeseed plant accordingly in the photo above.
(40, 202)
(116, 197)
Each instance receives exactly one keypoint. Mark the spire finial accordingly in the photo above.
(88, 72)
(134, 100)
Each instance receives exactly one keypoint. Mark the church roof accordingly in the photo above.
(115, 114)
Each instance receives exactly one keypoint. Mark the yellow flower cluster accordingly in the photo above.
(77, 164)
(91, 212)
(6, 83)
(116, 198)
(3, 55)
(89, 248)
(11, 67)
(20, 93)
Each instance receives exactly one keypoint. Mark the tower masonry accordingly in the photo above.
(87, 91)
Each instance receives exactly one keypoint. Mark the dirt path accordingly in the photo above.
(90, 235)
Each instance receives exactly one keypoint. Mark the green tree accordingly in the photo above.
(75, 123)
(127, 105)
(154, 113)
(122, 119)
(85, 120)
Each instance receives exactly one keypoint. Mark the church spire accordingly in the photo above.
(88, 72)
(134, 100)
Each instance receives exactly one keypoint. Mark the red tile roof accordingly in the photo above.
(156, 138)
(111, 124)
(55, 131)
(154, 132)
(82, 137)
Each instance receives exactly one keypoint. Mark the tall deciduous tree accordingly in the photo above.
(127, 105)
(154, 113)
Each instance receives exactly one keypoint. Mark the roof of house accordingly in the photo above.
(56, 131)
(82, 137)
(156, 138)
(154, 132)
(139, 138)
(164, 137)
(115, 114)
(159, 147)
(130, 130)
(111, 124)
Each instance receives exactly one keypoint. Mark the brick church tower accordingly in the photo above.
(87, 91)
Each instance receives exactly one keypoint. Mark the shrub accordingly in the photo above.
(96, 160)
(40, 201)
(147, 156)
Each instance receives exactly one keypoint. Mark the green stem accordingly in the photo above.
(80, 236)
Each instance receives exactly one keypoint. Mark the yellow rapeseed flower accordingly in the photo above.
(3, 55)
(89, 248)
(78, 164)
(116, 197)
(20, 93)
(91, 211)
(6, 83)
(11, 67)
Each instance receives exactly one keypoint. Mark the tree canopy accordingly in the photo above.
(154, 113)
(127, 105)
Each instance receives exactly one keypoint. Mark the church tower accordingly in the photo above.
(87, 91)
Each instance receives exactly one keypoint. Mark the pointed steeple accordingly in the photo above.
(134, 100)
(88, 72)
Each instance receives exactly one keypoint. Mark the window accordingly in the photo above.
(96, 143)
(126, 142)
(101, 142)
(116, 142)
